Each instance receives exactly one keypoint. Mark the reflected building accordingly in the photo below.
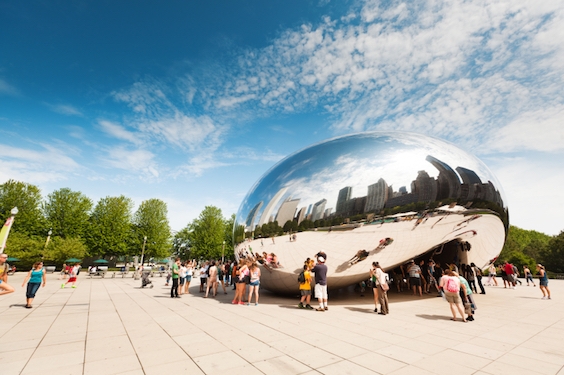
(251, 217)
(267, 215)
(301, 215)
(448, 185)
(377, 196)
(318, 210)
(287, 211)
(344, 195)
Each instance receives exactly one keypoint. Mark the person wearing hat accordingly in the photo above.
(320, 271)
(4, 287)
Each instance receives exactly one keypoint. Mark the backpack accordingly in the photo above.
(301, 277)
(452, 286)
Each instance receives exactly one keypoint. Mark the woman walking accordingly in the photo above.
(380, 288)
(35, 276)
(543, 282)
(254, 283)
(189, 273)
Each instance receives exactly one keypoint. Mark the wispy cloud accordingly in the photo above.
(35, 166)
(457, 70)
(7, 89)
(66, 109)
(136, 161)
(119, 132)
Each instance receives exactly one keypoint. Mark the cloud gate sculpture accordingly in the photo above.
(380, 196)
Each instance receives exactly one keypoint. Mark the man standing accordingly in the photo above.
(320, 271)
(415, 277)
(175, 278)
(4, 267)
(508, 267)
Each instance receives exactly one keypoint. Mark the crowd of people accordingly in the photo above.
(457, 284)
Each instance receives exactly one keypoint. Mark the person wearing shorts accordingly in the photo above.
(543, 282)
(305, 290)
(452, 296)
(320, 271)
(5, 288)
(415, 277)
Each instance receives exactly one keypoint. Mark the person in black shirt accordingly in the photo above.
(320, 271)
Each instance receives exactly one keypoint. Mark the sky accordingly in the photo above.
(191, 102)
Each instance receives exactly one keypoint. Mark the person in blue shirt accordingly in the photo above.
(36, 277)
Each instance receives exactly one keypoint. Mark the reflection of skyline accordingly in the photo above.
(380, 195)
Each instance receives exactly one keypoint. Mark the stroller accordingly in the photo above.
(145, 279)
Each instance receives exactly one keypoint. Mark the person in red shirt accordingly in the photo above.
(509, 272)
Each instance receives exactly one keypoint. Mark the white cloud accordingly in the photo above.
(539, 130)
(140, 161)
(119, 132)
(7, 89)
(66, 109)
(46, 165)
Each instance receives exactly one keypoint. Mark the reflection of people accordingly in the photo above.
(359, 256)
(36, 276)
(5, 288)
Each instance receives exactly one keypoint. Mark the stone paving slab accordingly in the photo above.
(112, 326)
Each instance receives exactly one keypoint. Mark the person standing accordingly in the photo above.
(320, 271)
(543, 282)
(528, 275)
(175, 278)
(189, 273)
(450, 284)
(36, 277)
(415, 278)
(380, 288)
(212, 279)
(5, 288)
(254, 283)
(478, 273)
(305, 289)
(181, 278)
(203, 276)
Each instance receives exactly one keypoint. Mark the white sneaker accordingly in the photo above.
(543, 297)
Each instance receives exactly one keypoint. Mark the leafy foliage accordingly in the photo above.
(67, 213)
(150, 220)
(208, 234)
(110, 227)
(27, 198)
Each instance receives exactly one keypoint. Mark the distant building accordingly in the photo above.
(267, 215)
(301, 215)
(318, 210)
(327, 212)
(448, 182)
(377, 196)
(287, 211)
(344, 196)
(470, 183)
(249, 223)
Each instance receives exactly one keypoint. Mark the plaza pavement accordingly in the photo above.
(111, 326)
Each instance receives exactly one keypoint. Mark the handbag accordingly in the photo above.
(385, 287)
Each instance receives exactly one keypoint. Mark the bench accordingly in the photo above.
(100, 271)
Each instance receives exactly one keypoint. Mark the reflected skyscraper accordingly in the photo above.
(267, 213)
(250, 222)
(448, 181)
(377, 196)
(287, 211)
(318, 210)
(344, 196)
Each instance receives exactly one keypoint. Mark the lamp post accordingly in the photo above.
(143, 249)
(223, 252)
(47, 241)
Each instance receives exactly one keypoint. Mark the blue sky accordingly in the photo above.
(191, 102)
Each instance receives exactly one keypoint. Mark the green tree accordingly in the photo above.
(150, 220)
(110, 227)
(229, 237)
(208, 234)
(61, 249)
(28, 249)
(554, 258)
(524, 247)
(67, 213)
(182, 243)
(27, 198)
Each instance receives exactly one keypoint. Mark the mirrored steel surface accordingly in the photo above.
(380, 196)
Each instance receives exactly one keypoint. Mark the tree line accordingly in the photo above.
(529, 247)
(109, 229)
